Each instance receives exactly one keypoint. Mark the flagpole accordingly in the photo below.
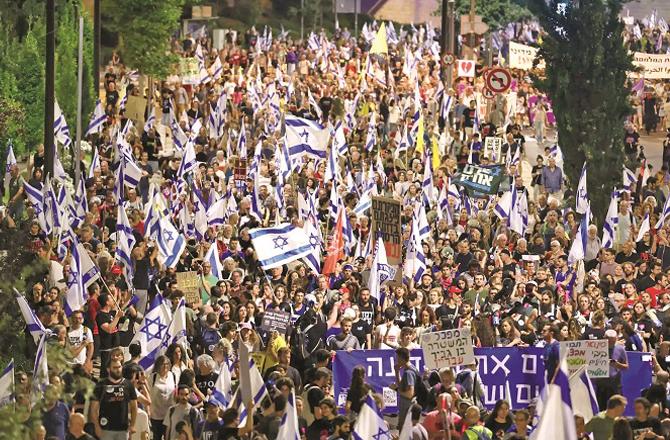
(80, 77)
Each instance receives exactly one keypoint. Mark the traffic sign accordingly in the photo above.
(448, 59)
(498, 80)
(488, 94)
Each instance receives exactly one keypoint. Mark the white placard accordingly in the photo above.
(595, 354)
(522, 56)
(448, 348)
(466, 68)
(492, 148)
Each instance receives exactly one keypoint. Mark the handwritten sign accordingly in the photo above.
(189, 283)
(593, 354)
(492, 148)
(522, 56)
(386, 219)
(449, 348)
(275, 320)
(189, 70)
(240, 173)
(651, 66)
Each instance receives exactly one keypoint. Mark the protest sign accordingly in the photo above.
(522, 56)
(449, 348)
(386, 219)
(479, 181)
(519, 370)
(492, 148)
(275, 320)
(240, 173)
(651, 66)
(189, 283)
(593, 354)
(189, 70)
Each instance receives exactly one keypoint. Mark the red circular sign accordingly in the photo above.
(488, 93)
(498, 80)
(448, 59)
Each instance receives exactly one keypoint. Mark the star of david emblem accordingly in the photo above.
(168, 235)
(381, 434)
(72, 279)
(305, 134)
(314, 241)
(146, 329)
(280, 242)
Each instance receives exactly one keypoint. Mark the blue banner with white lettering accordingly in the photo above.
(519, 370)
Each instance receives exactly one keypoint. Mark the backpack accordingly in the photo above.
(421, 391)
(210, 337)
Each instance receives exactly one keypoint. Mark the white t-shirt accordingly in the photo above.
(77, 337)
(141, 425)
(393, 335)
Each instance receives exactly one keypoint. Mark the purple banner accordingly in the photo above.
(519, 369)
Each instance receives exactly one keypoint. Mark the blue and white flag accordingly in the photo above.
(36, 198)
(7, 384)
(89, 271)
(371, 137)
(313, 259)
(339, 140)
(258, 392)
(216, 213)
(582, 199)
(381, 270)
(427, 187)
(33, 324)
(222, 393)
(212, 257)
(280, 245)
(402, 142)
(364, 203)
(76, 295)
(40, 370)
(332, 166)
(152, 331)
(305, 138)
(176, 332)
(171, 243)
(556, 419)
(314, 105)
(98, 119)
(664, 214)
(125, 240)
(582, 395)
(61, 130)
(423, 228)
(415, 260)
(151, 120)
(645, 227)
(556, 152)
(578, 248)
(188, 160)
(289, 428)
(611, 221)
(370, 423)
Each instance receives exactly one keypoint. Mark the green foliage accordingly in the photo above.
(144, 29)
(495, 13)
(585, 78)
(248, 11)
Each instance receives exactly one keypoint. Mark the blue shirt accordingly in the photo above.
(552, 179)
(618, 353)
(56, 419)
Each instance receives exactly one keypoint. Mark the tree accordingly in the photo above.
(495, 13)
(585, 78)
(145, 29)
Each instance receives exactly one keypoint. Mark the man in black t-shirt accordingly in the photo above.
(643, 424)
(108, 322)
(114, 405)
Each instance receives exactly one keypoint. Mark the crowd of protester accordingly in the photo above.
(476, 274)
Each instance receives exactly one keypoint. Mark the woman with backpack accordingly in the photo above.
(162, 386)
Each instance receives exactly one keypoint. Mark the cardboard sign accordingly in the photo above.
(466, 68)
(189, 283)
(386, 219)
(449, 348)
(651, 66)
(275, 320)
(492, 148)
(522, 56)
(593, 354)
(240, 173)
(189, 70)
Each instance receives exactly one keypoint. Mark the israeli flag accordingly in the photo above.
(314, 104)
(36, 198)
(258, 393)
(402, 142)
(305, 138)
(421, 220)
(364, 203)
(427, 187)
(280, 245)
(76, 295)
(611, 221)
(664, 215)
(582, 395)
(313, 259)
(33, 324)
(152, 332)
(61, 129)
(582, 199)
(370, 423)
(40, 370)
(381, 270)
(288, 428)
(339, 140)
(89, 271)
(557, 419)
(177, 330)
(171, 243)
(151, 120)
(415, 261)
(578, 248)
(98, 119)
(212, 257)
(188, 160)
(7, 384)
(223, 388)
(125, 240)
(371, 137)
(644, 228)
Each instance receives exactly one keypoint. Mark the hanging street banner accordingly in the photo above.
(519, 370)
(448, 348)
(386, 219)
(522, 56)
(480, 181)
(651, 66)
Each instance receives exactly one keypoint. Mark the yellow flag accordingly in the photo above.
(419, 136)
(436, 154)
(379, 45)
